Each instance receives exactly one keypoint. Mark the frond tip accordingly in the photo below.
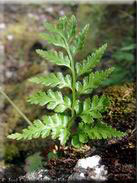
(36, 130)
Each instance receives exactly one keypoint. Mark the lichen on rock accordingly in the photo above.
(123, 106)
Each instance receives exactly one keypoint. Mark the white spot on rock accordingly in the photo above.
(49, 9)
(2, 26)
(61, 12)
(82, 175)
(10, 37)
(98, 172)
(90, 162)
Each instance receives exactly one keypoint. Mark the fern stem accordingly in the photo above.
(73, 83)
(17, 109)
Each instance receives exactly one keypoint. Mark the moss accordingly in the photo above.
(121, 112)
(11, 151)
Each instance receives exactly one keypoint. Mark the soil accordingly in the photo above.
(117, 155)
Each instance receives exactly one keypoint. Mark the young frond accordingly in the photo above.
(54, 80)
(91, 61)
(71, 27)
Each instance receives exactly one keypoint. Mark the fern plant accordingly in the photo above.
(72, 119)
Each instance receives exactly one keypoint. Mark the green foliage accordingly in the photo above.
(54, 80)
(124, 63)
(33, 163)
(92, 109)
(67, 109)
(33, 131)
(55, 57)
(91, 61)
(52, 155)
(92, 81)
(54, 100)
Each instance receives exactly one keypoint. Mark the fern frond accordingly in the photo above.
(100, 131)
(100, 103)
(54, 125)
(62, 23)
(55, 57)
(64, 30)
(54, 100)
(51, 27)
(71, 27)
(92, 109)
(58, 126)
(54, 39)
(33, 131)
(67, 26)
(79, 40)
(64, 136)
(104, 131)
(89, 112)
(93, 81)
(91, 61)
(54, 80)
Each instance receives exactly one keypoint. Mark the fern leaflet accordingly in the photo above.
(55, 57)
(92, 81)
(35, 130)
(54, 100)
(54, 80)
(90, 62)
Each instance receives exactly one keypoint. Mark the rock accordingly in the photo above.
(10, 37)
(89, 169)
(40, 175)
(2, 171)
(2, 26)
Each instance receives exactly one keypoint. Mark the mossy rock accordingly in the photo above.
(121, 113)
(24, 38)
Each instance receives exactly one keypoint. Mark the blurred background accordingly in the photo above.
(20, 28)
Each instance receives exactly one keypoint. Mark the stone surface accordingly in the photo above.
(89, 169)
(2, 171)
(40, 175)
